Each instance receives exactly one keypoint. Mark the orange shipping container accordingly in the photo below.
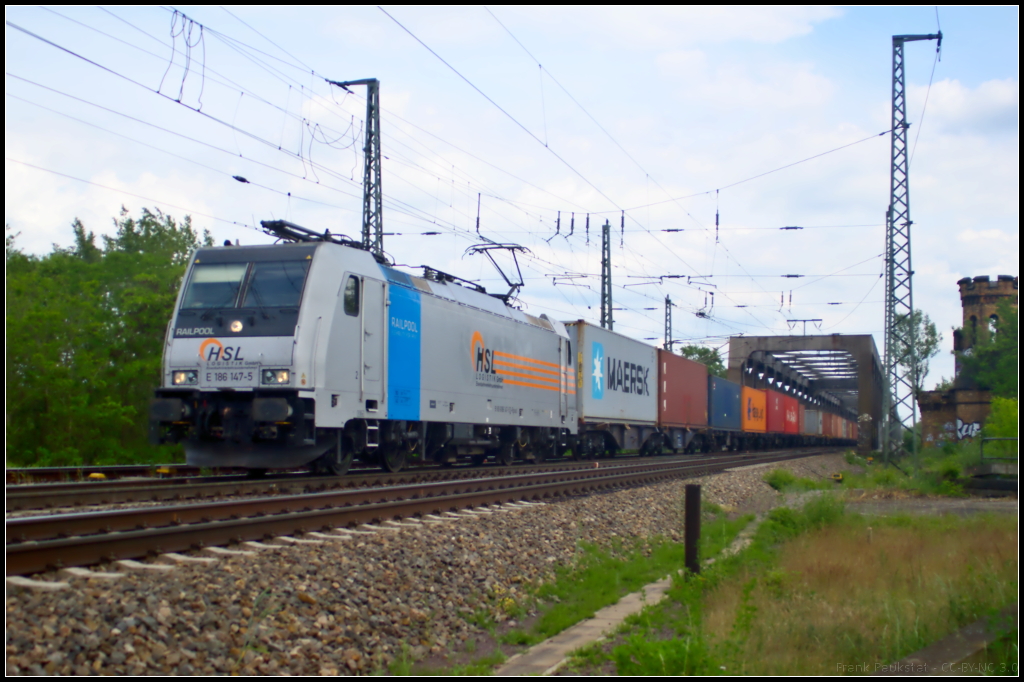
(753, 415)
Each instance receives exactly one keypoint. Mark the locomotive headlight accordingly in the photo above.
(189, 377)
(236, 326)
(276, 377)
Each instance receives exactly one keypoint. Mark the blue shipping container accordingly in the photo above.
(723, 403)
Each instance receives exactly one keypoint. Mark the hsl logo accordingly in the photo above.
(482, 358)
(597, 384)
(213, 350)
(754, 414)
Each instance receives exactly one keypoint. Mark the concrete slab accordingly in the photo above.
(36, 585)
(352, 531)
(285, 540)
(221, 551)
(377, 529)
(139, 566)
(548, 656)
(78, 572)
(948, 656)
(175, 558)
(328, 536)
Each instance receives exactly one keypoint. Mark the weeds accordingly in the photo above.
(818, 586)
(589, 656)
(402, 665)
(482, 666)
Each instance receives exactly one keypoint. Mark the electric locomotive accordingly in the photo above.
(312, 352)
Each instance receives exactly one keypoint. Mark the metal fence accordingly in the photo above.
(983, 458)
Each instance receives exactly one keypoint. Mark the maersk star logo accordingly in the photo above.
(597, 386)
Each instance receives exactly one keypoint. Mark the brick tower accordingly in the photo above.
(959, 413)
(980, 297)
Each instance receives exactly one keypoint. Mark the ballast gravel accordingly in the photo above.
(347, 606)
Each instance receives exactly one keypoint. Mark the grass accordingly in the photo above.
(820, 589)
(858, 592)
(601, 577)
(1001, 657)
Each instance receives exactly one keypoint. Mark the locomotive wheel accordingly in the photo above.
(336, 461)
(392, 457)
(506, 454)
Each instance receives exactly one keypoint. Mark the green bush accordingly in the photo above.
(823, 510)
(780, 479)
(1002, 421)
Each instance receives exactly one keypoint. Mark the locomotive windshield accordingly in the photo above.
(265, 284)
(276, 285)
(215, 285)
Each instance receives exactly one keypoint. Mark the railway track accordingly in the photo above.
(187, 485)
(35, 544)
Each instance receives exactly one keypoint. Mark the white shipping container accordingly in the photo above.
(617, 377)
(812, 422)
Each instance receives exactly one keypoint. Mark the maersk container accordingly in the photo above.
(776, 415)
(682, 391)
(617, 377)
(723, 403)
(791, 412)
(752, 409)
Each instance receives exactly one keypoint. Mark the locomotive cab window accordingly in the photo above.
(214, 285)
(352, 295)
(276, 284)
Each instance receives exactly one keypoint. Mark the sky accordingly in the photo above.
(664, 122)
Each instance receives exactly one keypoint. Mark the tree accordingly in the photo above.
(926, 341)
(991, 362)
(705, 356)
(85, 329)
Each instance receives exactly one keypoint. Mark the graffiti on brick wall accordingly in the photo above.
(964, 430)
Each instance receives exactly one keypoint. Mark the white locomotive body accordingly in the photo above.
(314, 353)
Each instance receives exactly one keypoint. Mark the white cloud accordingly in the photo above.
(955, 109)
(671, 27)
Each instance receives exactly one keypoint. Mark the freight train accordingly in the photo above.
(314, 353)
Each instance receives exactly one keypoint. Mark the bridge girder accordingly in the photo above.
(842, 371)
